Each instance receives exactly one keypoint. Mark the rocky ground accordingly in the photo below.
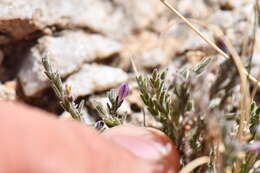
(91, 44)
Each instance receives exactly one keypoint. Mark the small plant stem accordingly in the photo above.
(194, 164)
(213, 45)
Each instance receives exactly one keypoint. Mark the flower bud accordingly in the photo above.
(122, 93)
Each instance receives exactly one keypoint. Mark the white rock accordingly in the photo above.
(148, 49)
(223, 19)
(66, 53)
(194, 8)
(153, 58)
(141, 13)
(28, 15)
(194, 42)
(18, 19)
(95, 78)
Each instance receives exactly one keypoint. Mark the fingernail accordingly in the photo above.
(146, 143)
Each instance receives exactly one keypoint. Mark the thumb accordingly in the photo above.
(148, 144)
(35, 141)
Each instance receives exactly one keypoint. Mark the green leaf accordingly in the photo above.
(189, 106)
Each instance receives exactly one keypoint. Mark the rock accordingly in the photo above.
(149, 121)
(231, 4)
(7, 91)
(141, 13)
(153, 58)
(19, 19)
(95, 78)
(148, 49)
(223, 19)
(178, 38)
(134, 96)
(66, 54)
(195, 56)
(193, 9)
(29, 16)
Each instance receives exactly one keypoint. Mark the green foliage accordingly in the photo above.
(168, 102)
(63, 93)
(254, 119)
(110, 115)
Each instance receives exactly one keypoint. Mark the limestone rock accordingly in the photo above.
(66, 54)
(148, 49)
(223, 19)
(141, 13)
(19, 19)
(95, 78)
(194, 9)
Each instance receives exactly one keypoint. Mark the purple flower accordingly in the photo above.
(122, 93)
(255, 146)
(220, 43)
(100, 124)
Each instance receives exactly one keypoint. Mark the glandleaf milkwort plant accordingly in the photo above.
(168, 102)
(108, 114)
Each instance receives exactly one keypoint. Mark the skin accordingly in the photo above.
(35, 141)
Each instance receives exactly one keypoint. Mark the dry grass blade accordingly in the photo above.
(194, 164)
(213, 45)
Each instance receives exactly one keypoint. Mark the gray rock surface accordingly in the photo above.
(18, 19)
(95, 78)
(187, 8)
(149, 50)
(66, 53)
(98, 15)
(140, 13)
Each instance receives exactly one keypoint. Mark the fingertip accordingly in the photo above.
(148, 144)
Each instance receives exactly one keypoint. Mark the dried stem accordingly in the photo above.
(213, 45)
(194, 164)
